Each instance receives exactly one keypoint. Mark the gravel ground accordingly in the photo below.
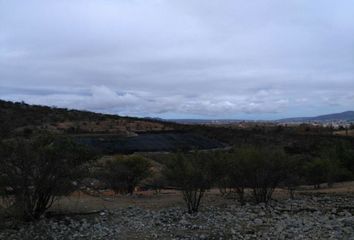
(306, 218)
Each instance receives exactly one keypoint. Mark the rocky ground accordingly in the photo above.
(309, 217)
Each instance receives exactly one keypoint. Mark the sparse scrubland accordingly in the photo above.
(263, 183)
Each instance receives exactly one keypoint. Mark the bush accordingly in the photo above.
(221, 173)
(33, 172)
(192, 175)
(229, 175)
(328, 167)
(261, 170)
(316, 172)
(156, 183)
(237, 174)
(293, 174)
(124, 173)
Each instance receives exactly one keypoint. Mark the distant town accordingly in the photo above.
(344, 120)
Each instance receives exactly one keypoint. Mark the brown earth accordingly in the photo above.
(80, 202)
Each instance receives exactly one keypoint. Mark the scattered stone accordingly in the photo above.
(258, 221)
(289, 219)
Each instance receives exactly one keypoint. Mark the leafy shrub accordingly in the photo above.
(257, 168)
(229, 175)
(34, 172)
(293, 174)
(238, 178)
(327, 167)
(192, 175)
(315, 172)
(124, 173)
(261, 170)
(157, 182)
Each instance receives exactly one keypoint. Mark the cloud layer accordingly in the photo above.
(258, 59)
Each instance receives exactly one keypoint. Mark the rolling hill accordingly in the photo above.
(17, 117)
(347, 116)
(107, 133)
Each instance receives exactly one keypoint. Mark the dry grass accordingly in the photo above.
(344, 187)
(81, 202)
(345, 133)
(124, 127)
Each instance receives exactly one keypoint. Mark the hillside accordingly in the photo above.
(107, 133)
(347, 116)
(113, 134)
(18, 117)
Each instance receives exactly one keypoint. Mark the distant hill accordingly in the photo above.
(208, 121)
(347, 116)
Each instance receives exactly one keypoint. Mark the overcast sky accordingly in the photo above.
(259, 59)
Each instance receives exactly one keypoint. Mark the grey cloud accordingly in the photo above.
(101, 98)
(208, 58)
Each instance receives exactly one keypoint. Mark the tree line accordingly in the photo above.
(35, 171)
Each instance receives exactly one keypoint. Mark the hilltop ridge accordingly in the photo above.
(107, 133)
(347, 116)
(19, 116)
